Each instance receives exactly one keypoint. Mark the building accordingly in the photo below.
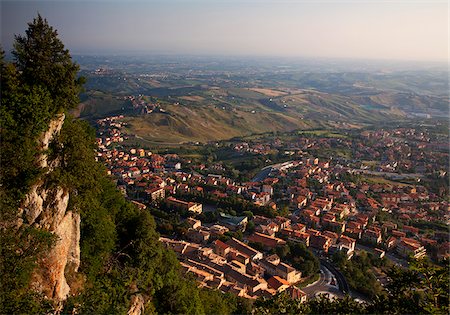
(278, 283)
(266, 240)
(156, 193)
(220, 248)
(233, 222)
(193, 223)
(347, 244)
(184, 205)
(284, 271)
(320, 242)
(372, 236)
(217, 230)
(245, 249)
(409, 247)
(197, 236)
(296, 294)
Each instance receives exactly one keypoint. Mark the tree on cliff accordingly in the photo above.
(43, 61)
(41, 82)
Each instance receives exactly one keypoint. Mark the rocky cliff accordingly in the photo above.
(46, 207)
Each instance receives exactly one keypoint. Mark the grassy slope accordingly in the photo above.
(215, 113)
(222, 114)
(202, 124)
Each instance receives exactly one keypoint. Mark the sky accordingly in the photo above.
(379, 29)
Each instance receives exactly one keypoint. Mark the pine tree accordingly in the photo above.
(42, 60)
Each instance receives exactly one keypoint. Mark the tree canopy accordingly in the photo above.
(43, 61)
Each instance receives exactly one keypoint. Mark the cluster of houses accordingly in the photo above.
(328, 212)
(404, 149)
(110, 131)
(141, 106)
(234, 266)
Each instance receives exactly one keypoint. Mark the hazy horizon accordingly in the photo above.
(385, 30)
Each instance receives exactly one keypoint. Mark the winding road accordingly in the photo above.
(327, 284)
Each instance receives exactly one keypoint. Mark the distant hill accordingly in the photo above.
(205, 102)
(204, 116)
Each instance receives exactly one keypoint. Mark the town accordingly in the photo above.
(240, 236)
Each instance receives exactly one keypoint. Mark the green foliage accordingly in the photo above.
(300, 257)
(24, 114)
(19, 253)
(43, 61)
(422, 289)
(358, 272)
(119, 245)
(279, 304)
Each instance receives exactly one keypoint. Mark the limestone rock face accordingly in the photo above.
(64, 258)
(46, 137)
(46, 207)
(137, 305)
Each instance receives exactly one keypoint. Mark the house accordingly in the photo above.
(262, 199)
(372, 236)
(391, 242)
(259, 219)
(233, 288)
(141, 206)
(278, 283)
(198, 236)
(410, 247)
(233, 222)
(379, 253)
(184, 205)
(298, 227)
(296, 294)
(217, 230)
(250, 283)
(270, 229)
(398, 234)
(388, 226)
(282, 222)
(320, 242)
(193, 223)
(296, 236)
(238, 256)
(221, 249)
(301, 202)
(267, 189)
(284, 271)
(410, 230)
(335, 226)
(331, 235)
(156, 193)
(347, 244)
(266, 240)
(244, 248)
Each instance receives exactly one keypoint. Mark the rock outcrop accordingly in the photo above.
(46, 207)
(137, 305)
(46, 138)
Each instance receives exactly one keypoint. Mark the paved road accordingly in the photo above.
(342, 283)
(326, 284)
(391, 175)
(262, 175)
(265, 171)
